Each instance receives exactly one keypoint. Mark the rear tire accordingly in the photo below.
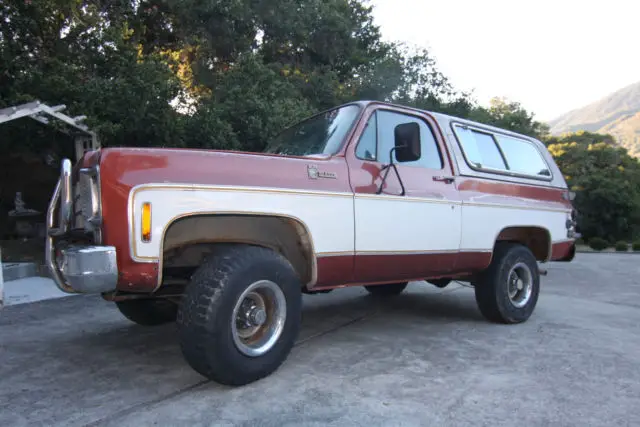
(507, 292)
(240, 314)
(387, 290)
(148, 312)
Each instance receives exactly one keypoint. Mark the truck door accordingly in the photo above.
(403, 236)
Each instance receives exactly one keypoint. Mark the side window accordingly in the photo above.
(522, 156)
(387, 121)
(501, 152)
(480, 148)
(368, 144)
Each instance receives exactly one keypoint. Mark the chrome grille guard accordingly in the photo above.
(61, 203)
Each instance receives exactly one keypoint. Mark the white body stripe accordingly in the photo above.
(388, 224)
(329, 218)
(481, 224)
(340, 223)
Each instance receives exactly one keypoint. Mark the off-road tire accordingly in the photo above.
(148, 312)
(205, 315)
(388, 290)
(491, 286)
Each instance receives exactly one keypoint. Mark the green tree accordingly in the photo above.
(606, 181)
(81, 54)
(510, 115)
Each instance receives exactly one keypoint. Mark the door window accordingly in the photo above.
(376, 146)
(368, 144)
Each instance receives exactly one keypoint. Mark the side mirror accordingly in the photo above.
(407, 142)
(407, 148)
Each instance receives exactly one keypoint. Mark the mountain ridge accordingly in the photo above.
(617, 114)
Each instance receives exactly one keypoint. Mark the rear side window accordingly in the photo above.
(501, 152)
(522, 156)
(480, 149)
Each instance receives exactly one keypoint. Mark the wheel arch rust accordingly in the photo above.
(534, 237)
(286, 234)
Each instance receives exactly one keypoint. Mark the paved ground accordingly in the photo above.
(427, 358)
(30, 289)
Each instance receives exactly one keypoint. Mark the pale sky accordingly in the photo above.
(550, 55)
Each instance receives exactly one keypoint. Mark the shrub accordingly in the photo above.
(580, 242)
(598, 244)
(636, 245)
(622, 246)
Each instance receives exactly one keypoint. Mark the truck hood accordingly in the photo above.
(130, 167)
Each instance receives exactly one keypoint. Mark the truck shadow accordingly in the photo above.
(427, 307)
(321, 314)
(77, 348)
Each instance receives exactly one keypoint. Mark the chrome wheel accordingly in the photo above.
(520, 285)
(258, 318)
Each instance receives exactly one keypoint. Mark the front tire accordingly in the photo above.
(240, 314)
(507, 292)
(148, 312)
(388, 290)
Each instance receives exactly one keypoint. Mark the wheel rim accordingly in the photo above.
(520, 285)
(258, 318)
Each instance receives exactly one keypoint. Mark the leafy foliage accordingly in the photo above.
(636, 245)
(621, 246)
(598, 244)
(510, 115)
(606, 181)
(224, 74)
(231, 74)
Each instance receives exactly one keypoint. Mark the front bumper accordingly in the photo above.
(76, 268)
(88, 269)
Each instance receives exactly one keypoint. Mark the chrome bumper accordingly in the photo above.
(89, 269)
(85, 269)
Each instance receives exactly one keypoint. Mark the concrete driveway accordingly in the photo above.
(425, 358)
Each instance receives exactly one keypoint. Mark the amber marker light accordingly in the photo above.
(146, 222)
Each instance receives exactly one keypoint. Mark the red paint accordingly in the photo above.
(473, 261)
(510, 193)
(375, 268)
(121, 169)
(334, 270)
(563, 251)
(418, 182)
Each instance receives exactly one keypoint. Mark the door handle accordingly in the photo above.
(445, 179)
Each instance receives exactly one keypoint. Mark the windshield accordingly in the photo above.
(321, 134)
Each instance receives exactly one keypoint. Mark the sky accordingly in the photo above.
(552, 56)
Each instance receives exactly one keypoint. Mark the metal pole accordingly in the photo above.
(1, 282)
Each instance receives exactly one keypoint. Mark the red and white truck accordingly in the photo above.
(367, 194)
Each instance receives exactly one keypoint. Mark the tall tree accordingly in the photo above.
(606, 180)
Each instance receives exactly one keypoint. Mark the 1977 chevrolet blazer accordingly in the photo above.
(366, 194)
